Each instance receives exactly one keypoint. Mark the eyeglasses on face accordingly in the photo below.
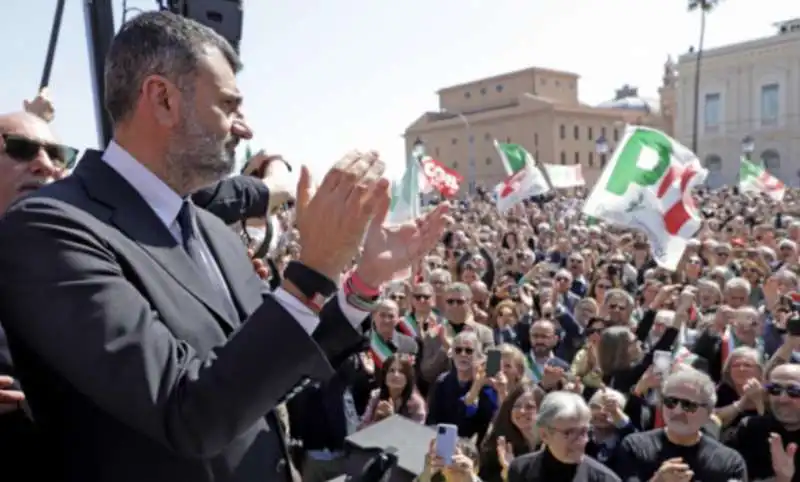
(422, 297)
(688, 406)
(776, 390)
(22, 149)
(572, 433)
(463, 350)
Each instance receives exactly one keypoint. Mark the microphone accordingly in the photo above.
(378, 468)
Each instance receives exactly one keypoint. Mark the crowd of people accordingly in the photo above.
(553, 342)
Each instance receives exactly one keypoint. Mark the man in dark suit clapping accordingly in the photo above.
(159, 355)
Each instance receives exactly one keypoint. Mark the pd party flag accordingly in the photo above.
(514, 157)
(525, 183)
(647, 185)
(755, 178)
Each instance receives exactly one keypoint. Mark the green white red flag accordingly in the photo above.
(527, 182)
(754, 178)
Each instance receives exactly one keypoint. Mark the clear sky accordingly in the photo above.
(325, 76)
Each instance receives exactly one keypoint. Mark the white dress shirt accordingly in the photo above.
(166, 204)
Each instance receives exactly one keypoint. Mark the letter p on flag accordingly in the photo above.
(647, 185)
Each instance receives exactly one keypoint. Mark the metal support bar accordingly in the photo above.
(99, 34)
(51, 46)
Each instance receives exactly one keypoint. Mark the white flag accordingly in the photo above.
(563, 176)
(527, 182)
(647, 185)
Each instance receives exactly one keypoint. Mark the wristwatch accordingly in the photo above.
(315, 287)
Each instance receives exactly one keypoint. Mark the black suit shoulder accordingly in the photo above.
(129, 363)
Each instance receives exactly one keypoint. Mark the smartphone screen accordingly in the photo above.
(493, 362)
(793, 326)
(446, 438)
(662, 361)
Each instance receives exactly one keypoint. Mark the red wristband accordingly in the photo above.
(362, 288)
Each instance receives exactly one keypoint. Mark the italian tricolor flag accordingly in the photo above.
(379, 350)
(515, 158)
(755, 178)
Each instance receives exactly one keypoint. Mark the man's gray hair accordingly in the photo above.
(157, 43)
(562, 405)
(696, 379)
(461, 288)
(619, 293)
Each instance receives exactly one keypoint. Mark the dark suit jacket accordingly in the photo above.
(528, 468)
(231, 199)
(131, 368)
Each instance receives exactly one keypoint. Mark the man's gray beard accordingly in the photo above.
(197, 158)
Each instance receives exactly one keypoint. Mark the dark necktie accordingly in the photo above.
(187, 220)
(191, 243)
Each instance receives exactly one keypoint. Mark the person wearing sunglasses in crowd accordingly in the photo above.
(681, 451)
(777, 431)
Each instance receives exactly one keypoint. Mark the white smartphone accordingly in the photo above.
(662, 362)
(446, 438)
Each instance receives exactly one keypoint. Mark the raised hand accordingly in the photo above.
(41, 106)
(390, 249)
(505, 453)
(332, 219)
(782, 458)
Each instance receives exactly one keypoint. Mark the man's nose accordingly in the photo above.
(241, 129)
(43, 166)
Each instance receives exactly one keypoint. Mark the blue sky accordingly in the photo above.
(326, 76)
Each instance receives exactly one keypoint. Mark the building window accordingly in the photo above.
(576, 131)
(488, 161)
(483, 90)
(499, 87)
(563, 131)
(603, 131)
(711, 114)
(577, 157)
(455, 164)
(602, 160)
(467, 95)
(436, 151)
(508, 140)
(563, 157)
(589, 133)
(770, 109)
(535, 138)
(487, 136)
(590, 161)
(616, 135)
(454, 141)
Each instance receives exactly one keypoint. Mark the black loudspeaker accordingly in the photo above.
(224, 16)
(407, 439)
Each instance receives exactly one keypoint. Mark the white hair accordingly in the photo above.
(739, 283)
(562, 405)
(695, 379)
(616, 395)
(665, 317)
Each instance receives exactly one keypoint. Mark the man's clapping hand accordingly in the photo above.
(333, 218)
(10, 398)
(391, 249)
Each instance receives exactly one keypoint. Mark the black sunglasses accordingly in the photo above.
(466, 351)
(23, 149)
(776, 390)
(687, 405)
(422, 297)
